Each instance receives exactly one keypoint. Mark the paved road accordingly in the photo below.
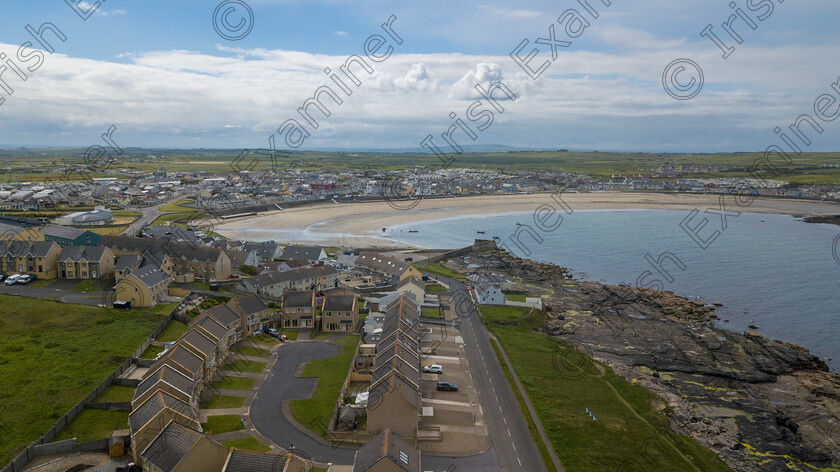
(147, 215)
(508, 430)
(58, 291)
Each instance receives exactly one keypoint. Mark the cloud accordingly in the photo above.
(418, 78)
(342, 33)
(85, 6)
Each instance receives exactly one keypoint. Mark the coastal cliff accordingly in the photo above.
(760, 404)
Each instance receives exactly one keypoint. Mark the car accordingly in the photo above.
(12, 279)
(433, 369)
(25, 279)
(447, 387)
(1, 277)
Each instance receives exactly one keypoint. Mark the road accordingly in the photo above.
(60, 290)
(147, 216)
(509, 432)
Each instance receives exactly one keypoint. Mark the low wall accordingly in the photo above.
(70, 446)
(110, 406)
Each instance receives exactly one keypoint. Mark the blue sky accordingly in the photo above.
(161, 73)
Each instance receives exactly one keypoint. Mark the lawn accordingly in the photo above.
(435, 288)
(331, 373)
(43, 283)
(151, 352)
(439, 270)
(174, 330)
(501, 314)
(516, 297)
(71, 348)
(243, 365)
(116, 393)
(431, 312)
(267, 340)
(233, 383)
(222, 401)
(248, 350)
(627, 420)
(247, 444)
(84, 286)
(92, 424)
(222, 424)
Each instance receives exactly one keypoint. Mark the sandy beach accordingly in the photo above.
(359, 224)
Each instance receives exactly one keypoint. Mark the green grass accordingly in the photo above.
(222, 401)
(174, 330)
(177, 206)
(431, 312)
(222, 424)
(43, 283)
(435, 288)
(84, 286)
(92, 424)
(516, 297)
(51, 356)
(116, 393)
(502, 314)
(439, 270)
(234, 383)
(151, 352)
(248, 350)
(266, 340)
(247, 444)
(331, 373)
(628, 421)
(242, 365)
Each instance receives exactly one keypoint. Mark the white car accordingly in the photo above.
(433, 369)
(12, 279)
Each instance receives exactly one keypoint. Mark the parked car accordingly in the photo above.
(2, 277)
(12, 279)
(447, 387)
(433, 369)
(25, 279)
(409, 259)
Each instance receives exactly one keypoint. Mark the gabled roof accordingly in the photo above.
(212, 326)
(251, 304)
(411, 280)
(393, 383)
(200, 341)
(225, 313)
(183, 357)
(168, 375)
(65, 232)
(339, 303)
(386, 265)
(174, 250)
(310, 253)
(127, 261)
(26, 248)
(298, 299)
(293, 275)
(78, 253)
(395, 365)
(171, 446)
(142, 414)
(149, 276)
(245, 461)
(387, 446)
(386, 301)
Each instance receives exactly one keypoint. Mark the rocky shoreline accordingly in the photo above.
(824, 219)
(760, 404)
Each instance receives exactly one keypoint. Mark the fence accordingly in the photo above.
(37, 447)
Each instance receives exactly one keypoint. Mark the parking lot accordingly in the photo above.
(457, 415)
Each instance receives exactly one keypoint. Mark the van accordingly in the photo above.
(12, 279)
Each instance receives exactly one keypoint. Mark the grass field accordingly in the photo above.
(116, 393)
(440, 270)
(222, 424)
(628, 420)
(94, 424)
(435, 288)
(331, 373)
(174, 330)
(234, 383)
(247, 444)
(151, 352)
(247, 350)
(242, 365)
(515, 297)
(52, 355)
(222, 401)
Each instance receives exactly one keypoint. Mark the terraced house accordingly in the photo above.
(272, 285)
(85, 262)
(37, 258)
(201, 262)
(339, 313)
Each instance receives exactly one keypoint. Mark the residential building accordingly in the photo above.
(266, 251)
(387, 452)
(298, 309)
(413, 285)
(37, 258)
(85, 262)
(487, 293)
(242, 258)
(148, 419)
(179, 448)
(18, 229)
(387, 266)
(339, 313)
(66, 236)
(144, 287)
(312, 254)
(255, 314)
(204, 263)
(272, 285)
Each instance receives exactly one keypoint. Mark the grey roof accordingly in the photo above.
(385, 301)
(78, 253)
(339, 303)
(298, 298)
(263, 249)
(154, 405)
(173, 250)
(310, 253)
(176, 233)
(387, 446)
(237, 258)
(170, 446)
(26, 248)
(412, 279)
(274, 278)
(245, 461)
(150, 276)
(212, 326)
(395, 384)
(224, 314)
(167, 375)
(386, 265)
(200, 341)
(66, 232)
(386, 339)
(183, 357)
(127, 261)
(484, 287)
(251, 304)
(395, 366)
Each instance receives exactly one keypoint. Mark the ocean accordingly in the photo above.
(771, 271)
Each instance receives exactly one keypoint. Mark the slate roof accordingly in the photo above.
(251, 304)
(199, 341)
(339, 303)
(78, 253)
(310, 253)
(224, 314)
(25, 248)
(298, 299)
(212, 326)
(245, 461)
(412, 279)
(127, 261)
(182, 356)
(66, 232)
(150, 276)
(386, 301)
(274, 278)
(167, 375)
(385, 265)
(170, 446)
(395, 366)
(174, 250)
(154, 405)
(395, 384)
(387, 446)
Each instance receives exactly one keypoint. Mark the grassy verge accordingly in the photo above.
(440, 270)
(248, 350)
(515, 297)
(222, 424)
(222, 401)
(431, 312)
(116, 393)
(84, 286)
(435, 288)
(627, 418)
(234, 383)
(247, 444)
(331, 373)
(151, 352)
(42, 283)
(241, 365)
(174, 330)
(91, 424)
(52, 355)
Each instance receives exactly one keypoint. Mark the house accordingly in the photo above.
(309, 253)
(272, 285)
(487, 293)
(255, 314)
(387, 452)
(165, 379)
(179, 448)
(266, 251)
(242, 258)
(204, 263)
(148, 419)
(346, 261)
(85, 262)
(171, 234)
(99, 216)
(387, 266)
(37, 258)
(66, 236)
(125, 265)
(185, 361)
(413, 285)
(386, 301)
(18, 229)
(298, 309)
(339, 313)
(228, 315)
(145, 287)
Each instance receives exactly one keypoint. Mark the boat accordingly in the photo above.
(413, 231)
(518, 223)
(480, 232)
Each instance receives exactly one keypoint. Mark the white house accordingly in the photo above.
(489, 294)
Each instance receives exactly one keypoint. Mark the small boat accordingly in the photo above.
(480, 232)
(518, 223)
(413, 231)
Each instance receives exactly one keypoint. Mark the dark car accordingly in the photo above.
(447, 387)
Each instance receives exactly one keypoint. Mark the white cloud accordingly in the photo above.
(86, 6)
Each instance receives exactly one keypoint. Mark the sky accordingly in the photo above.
(213, 74)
